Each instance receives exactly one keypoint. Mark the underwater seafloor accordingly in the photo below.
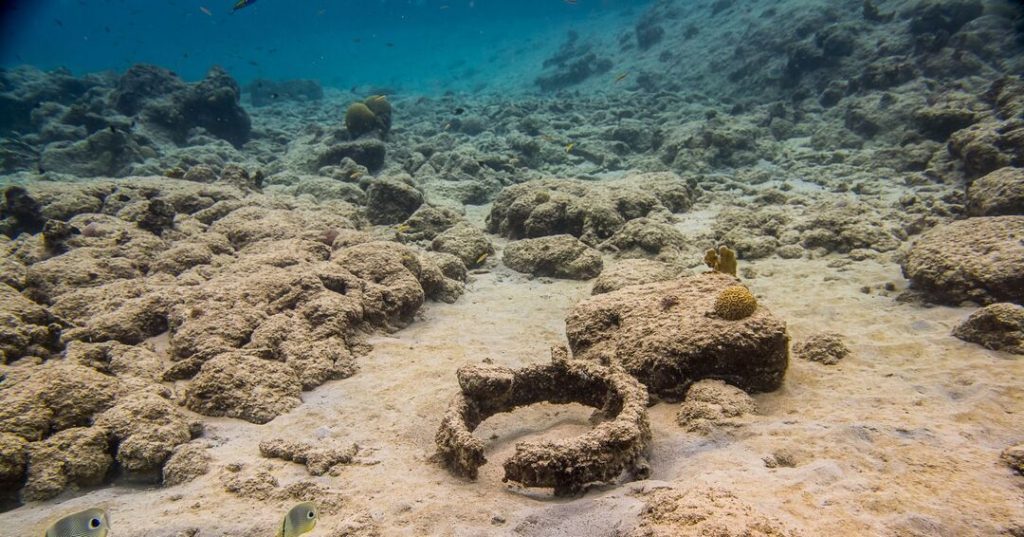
(221, 299)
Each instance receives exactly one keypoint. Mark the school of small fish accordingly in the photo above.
(299, 520)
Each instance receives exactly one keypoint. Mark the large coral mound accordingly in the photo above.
(978, 259)
(666, 335)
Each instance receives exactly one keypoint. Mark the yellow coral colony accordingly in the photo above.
(734, 303)
(723, 260)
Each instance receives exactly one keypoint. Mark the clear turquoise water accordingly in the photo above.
(422, 45)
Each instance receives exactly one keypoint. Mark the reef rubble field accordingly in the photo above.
(652, 296)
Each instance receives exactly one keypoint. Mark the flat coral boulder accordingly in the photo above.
(978, 259)
(560, 256)
(668, 335)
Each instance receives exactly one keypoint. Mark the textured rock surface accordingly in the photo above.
(634, 272)
(146, 428)
(568, 466)
(37, 401)
(826, 347)
(466, 242)
(998, 327)
(998, 193)
(585, 210)
(187, 462)
(662, 334)
(560, 256)
(391, 202)
(73, 457)
(318, 458)
(238, 385)
(700, 512)
(978, 259)
(712, 404)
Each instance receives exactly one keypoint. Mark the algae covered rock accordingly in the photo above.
(825, 347)
(662, 334)
(239, 385)
(559, 256)
(391, 202)
(711, 404)
(998, 327)
(979, 259)
(464, 241)
(187, 462)
(998, 193)
(634, 272)
(146, 428)
(36, 401)
(73, 457)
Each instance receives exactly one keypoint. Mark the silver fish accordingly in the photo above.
(88, 523)
(300, 519)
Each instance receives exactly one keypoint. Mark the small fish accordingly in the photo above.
(242, 4)
(459, 111)
(547, 138)
(88, 523)
(482, 258)
(447, 126)
(570, 2)
(403, 228)
(621, 77)
(300, 519)
(206, 11)
(570, 146)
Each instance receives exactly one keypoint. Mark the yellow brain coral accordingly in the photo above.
(734, 303)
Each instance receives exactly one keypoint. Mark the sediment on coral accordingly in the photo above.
(599, 456)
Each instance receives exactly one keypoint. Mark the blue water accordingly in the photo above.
(417, 45)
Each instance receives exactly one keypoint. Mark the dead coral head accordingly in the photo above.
(734, 303)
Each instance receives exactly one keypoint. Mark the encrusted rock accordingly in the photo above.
(662, 334)
(998, 193)
(568, 466)
(464, 241)
(391, 202)
(592, 212)
(146, 428)
(319, 459)
(825, 347)
(187, 462)
(633, 272)
(979, 259)
(560, 256)
(713, 403)
(37, 401)
(26, 328)
(1013, 456)
(238, 385)
(13, 462)
(998, 327)
(701, 511)
(73, 457)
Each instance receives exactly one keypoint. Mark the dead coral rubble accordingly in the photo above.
(598, 456)
(318, 459)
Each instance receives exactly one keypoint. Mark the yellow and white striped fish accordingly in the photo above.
(300, 519)
(88, 523)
